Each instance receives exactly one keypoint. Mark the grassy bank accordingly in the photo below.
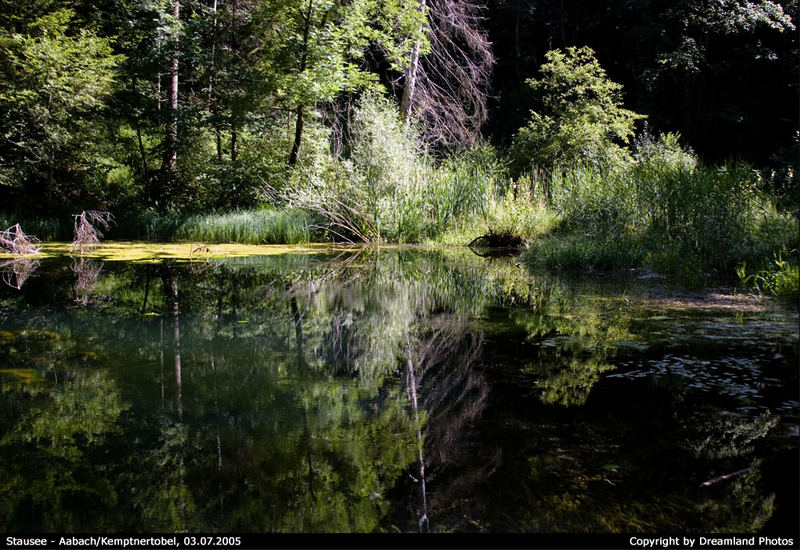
(261, 226)
(257, 226)
(695, 221)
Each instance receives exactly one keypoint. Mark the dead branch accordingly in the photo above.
(86, 231)
(15, 240)
(452, 85)
(727, 476)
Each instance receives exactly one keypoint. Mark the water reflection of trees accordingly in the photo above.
(51, 479)
(444, 383)
(303, 395)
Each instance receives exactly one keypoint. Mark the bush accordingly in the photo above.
(390, 189)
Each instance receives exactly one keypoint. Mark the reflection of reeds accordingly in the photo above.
(19, 271)
(86, 275)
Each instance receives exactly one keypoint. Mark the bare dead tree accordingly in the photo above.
(86, 230)
(16, 241)
(447, 89)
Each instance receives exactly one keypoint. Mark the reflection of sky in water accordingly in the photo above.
(734, 376)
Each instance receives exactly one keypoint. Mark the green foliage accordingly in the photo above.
(580, 119)
(312, 51)
(390, 189)
(581, 252)
(779, 277)
(666, 211)
(54, 81)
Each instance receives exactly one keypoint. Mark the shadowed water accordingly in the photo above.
(394, 390)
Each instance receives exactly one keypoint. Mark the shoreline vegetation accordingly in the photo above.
(662, 211)
(700, 224)
(579, 189)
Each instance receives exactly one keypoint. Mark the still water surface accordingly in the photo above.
(393, 390)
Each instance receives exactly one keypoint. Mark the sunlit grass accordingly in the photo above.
(504, 216)
(262, 226)
(696, 221)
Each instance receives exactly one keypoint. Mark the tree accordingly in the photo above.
(313, 49)
(172, 130)
(53, 82)
(698, 67)
(580, 118)
(446, 88)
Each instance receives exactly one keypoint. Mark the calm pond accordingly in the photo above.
(389, 390)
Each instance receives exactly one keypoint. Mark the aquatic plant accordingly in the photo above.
(779, 278)
(268, 225)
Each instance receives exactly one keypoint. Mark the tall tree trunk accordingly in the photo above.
(212, 105)
(411, 76)
(298, 136)
(172, 134)
(142, 152)
(299, 122)
(234, 145)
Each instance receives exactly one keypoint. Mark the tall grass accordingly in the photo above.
(263, 226)
(778, 277)
(45, 229)
(666, 211)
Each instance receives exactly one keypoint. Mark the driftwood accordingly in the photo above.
(15, 240)
(86, 231)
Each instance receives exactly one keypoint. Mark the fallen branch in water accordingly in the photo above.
(15, 240)
(86, 232)
(726, 476)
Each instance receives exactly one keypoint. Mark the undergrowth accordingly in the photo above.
(663, 211)
(778, 277)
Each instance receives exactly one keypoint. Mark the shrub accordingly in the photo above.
(390, 189)
(665, 210)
